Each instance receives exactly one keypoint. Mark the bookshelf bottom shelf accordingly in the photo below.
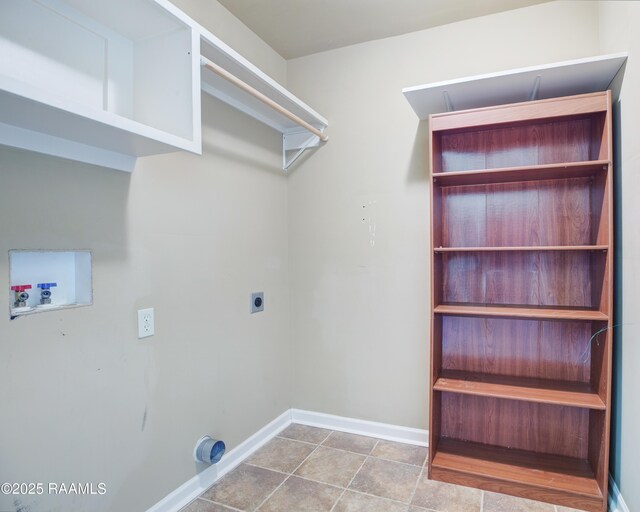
(551, 478)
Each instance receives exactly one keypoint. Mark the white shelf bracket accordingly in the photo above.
(536, 87)
(448, 102)
(296, 142)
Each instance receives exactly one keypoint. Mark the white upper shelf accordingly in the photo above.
(99, 82)
(220, 53)
(105, 82)
(538, 82)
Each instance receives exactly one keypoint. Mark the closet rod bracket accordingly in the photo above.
(294, 143)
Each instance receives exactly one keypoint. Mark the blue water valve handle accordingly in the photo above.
(45, 293)
(46, 286)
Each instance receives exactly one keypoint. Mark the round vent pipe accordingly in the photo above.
(208, 450)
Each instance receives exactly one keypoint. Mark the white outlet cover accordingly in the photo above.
(258, 306)
(146, 323)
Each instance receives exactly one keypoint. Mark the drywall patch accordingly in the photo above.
(369, 219)
(373, 212)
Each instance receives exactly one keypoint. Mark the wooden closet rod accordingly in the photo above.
(211, 66)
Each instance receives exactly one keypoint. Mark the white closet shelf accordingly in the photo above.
(99, 82)
(566, 78)
(46, 123)
(106, 82)
(295, 139)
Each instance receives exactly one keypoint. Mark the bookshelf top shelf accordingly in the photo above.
(517, 85)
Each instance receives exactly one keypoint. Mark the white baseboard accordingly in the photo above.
(195, 486)
(616, 501)
(386, 431)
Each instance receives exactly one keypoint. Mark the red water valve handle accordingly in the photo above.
(21, 288)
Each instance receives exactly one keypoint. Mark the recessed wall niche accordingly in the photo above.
(48, 280)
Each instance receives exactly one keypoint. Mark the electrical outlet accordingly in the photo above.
(146, 325)
(257, 302)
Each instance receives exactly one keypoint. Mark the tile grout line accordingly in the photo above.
(289, 475)
(317, 445)
(303, 441)
(296, 440)
(298, 476)
(272, 493)
(355, 491)
(338, 500)
(415, 487)
(359, 453)
(344, 451)
(268, 469)
(482, 502)
(349, 451)
(380, 458)
(279, 435)
(319, 482)
(328, 435)
(394, 461)
(221, 504)
(370, 456)
(366, 457)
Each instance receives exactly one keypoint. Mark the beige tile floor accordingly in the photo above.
(307, 469)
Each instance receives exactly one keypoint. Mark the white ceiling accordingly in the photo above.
(301, 27)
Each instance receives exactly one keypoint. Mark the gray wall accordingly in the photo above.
(83, 400)
(360, 303)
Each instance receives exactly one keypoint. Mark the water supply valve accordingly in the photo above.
(21, 295)
(45, 292)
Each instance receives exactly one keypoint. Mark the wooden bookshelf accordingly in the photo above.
(521, 273)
